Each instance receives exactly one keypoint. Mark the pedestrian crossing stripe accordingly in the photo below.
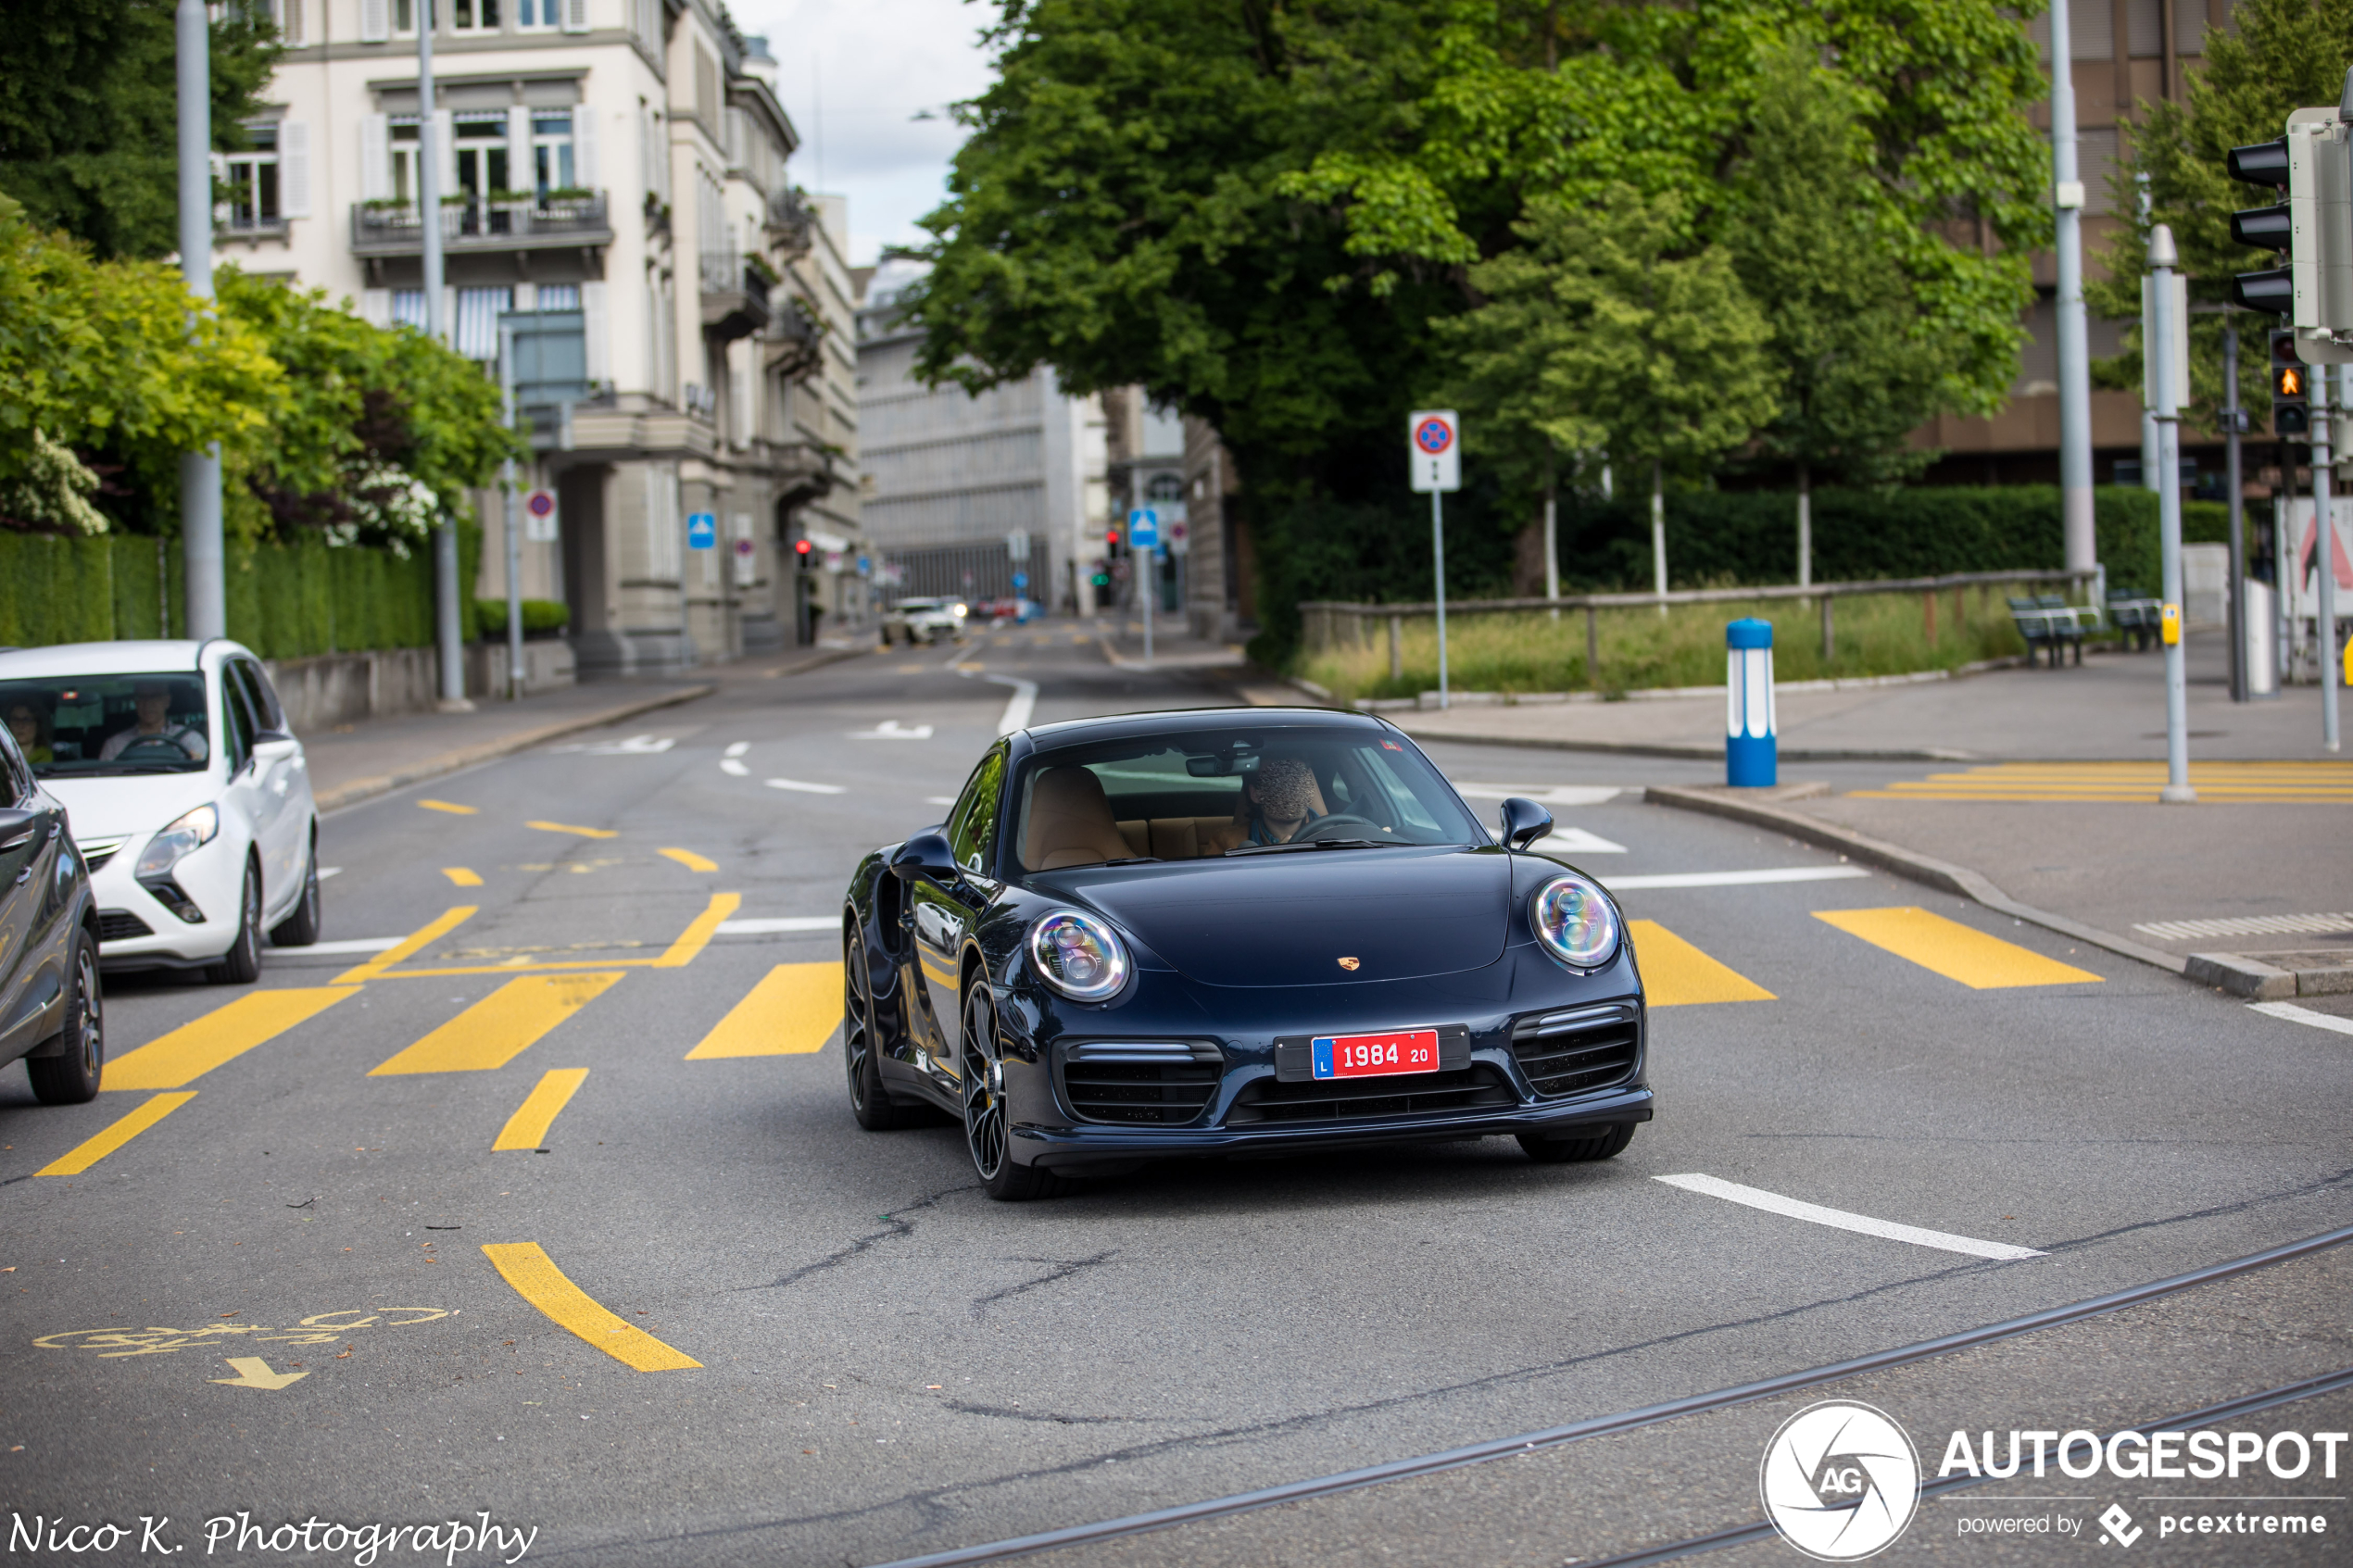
(187, 1053)
(1954, 950)
(2103, 782)
(1677, 974)
(793, 1011)
(501, 1026)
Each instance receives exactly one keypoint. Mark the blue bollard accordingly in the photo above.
(1750, 760)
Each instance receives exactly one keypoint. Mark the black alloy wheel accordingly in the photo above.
(1604, 1145)
(870, 1102)
(300, 928)
(71, 1076)
(986, 1131)
(240, 965)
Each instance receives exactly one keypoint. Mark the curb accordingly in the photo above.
(1940, 874)
(1689, 753)
(357, 790)
(2244, 977)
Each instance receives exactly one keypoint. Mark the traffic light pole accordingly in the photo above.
(2324, 557)
(2074, 347)
(2165, 400)
(2234, 611)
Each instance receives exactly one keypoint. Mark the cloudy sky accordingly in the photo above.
(853, 75)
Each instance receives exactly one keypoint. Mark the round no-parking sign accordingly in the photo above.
(539, 517)
(1434, 449)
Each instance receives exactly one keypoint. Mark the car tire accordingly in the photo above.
(71, 1076)
(987, 1135)
(300, 929)
(1605, 1145)
(869, 1101)
(240, 965)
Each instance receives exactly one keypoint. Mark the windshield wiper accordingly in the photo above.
(1310, 844)
(1129, 861)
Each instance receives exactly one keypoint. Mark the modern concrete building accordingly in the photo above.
(613, 184)
(962, 492)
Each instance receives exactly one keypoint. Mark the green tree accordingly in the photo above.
(2284, 55)
(89, 113)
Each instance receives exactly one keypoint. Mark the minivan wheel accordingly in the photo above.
(240, 965)
(300, 929)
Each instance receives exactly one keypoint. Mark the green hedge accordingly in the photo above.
(539, 616)
(284, 601)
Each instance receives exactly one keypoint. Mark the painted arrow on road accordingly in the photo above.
(254, 1373)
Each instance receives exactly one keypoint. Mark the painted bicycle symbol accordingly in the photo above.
(320, 1328)
(1434, 436)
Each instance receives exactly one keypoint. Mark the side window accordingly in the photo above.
(260, 697)
(237, 721)
(16, 778)
(972, 827)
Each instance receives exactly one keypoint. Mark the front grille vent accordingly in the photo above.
(1566, 1053)
(1267, 1100)
(1149, 1084)
(97, 855)
(120, 925)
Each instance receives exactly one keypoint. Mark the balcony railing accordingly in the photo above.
(735, 295)
(397, 229)
(243, 224)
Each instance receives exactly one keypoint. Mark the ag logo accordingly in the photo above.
(1840, 1481)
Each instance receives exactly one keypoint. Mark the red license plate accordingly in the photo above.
(1371, 1056)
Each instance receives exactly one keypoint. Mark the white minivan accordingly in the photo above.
(187, 795)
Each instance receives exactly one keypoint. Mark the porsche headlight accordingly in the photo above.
(1575, 922)
(168, 847)
(1078, 956)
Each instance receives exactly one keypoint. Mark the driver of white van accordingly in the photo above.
(152, 701)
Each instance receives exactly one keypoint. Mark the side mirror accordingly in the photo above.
(16, 826)
(271, 737)
(925, 855)
(1524, 822)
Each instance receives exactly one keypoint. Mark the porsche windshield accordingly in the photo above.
(99, 726)
(1203, 795)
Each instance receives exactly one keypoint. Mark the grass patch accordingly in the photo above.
(1875, 634)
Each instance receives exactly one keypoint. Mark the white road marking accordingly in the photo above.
(734, 769)
(1018, 706)
(768, 927)
(1577, 838)
(635, 745)
(1737, 879)
(2294, 1014)
(804, 788)
(1544, 795)
(350, 945)
(326, 871)
(2246, 925)
(738, 748)
(1774, 1203)
(890, 728)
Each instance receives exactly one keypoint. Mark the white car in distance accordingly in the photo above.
(924, 620)
(187, 796)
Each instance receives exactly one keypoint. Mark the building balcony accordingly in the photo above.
(236, 224)
(735, 295)
(471, 225)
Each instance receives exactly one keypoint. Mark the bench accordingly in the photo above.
(2049, 621)
(2134, 613)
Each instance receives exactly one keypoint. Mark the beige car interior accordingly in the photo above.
(1071, 824)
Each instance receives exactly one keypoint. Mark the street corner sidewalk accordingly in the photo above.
(355, 762)
(1174, 647)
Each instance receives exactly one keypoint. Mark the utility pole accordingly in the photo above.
(507, 496)
(2075, 350)
(2150, 457)
(2162, 321)
(204, 587)
(449, 590)
(2234, 611)
(2324, 557)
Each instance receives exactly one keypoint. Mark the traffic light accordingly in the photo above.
(2313, 166)
(1110, 542)
(2291, 393)
(804, 552)
(2265, 228)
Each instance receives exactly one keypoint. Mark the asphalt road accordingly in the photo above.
(887, 1363)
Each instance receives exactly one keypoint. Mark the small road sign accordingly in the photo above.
(1178, 540)
(1434, 447)
(539, 517)
(1143, 528)
(702, 531)
(1021, 580)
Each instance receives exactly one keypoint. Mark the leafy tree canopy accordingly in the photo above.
(89, 113)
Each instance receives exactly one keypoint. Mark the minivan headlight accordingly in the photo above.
(1575, 921)
(167, 849)
(1078, 956)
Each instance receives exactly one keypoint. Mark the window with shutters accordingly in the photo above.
(474, 16)
(552, 158)
(2144, 28)
(252, 179)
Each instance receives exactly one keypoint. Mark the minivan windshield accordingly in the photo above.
(1209, 794)
(102, 726)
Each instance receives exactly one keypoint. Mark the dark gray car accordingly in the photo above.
(51, 1011)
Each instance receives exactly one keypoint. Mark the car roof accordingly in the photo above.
(155, 656)
(1129, 726)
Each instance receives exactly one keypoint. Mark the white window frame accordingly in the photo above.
(537, 15)
(475, 9)
(241, 172)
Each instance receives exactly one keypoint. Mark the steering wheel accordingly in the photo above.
(153, 749)
(1319, 830)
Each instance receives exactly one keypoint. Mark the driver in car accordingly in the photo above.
(1277, 804)
(152, 700)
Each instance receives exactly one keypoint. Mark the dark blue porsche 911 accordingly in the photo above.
(1233, 932)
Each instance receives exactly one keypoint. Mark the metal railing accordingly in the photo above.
(395, 227)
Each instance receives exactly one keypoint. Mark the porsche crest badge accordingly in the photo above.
(1349, 963)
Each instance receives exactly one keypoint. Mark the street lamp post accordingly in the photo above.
(2074, 346)
(205, 586)
(2161, 323)
(449, 590)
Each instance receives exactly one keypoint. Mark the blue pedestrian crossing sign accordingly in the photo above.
(1021, 580)
(702, 531)
(1143, 528)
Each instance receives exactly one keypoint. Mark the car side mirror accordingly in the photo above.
(16, 826)
(1524, 822)
(926, 857)
(271, 737)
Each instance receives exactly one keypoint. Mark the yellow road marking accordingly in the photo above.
(424, 936)
(189, 1052)
(2107, 783)
(567, 827)
(699, 931)
(971, 666)
(1677, 974)
(527, 1128)
(691, 861)
(97, 1146)
(254, 1373)
(1954, 950)
(454, 810)
(501, 1026)
(793, 1011)
(461, 876)
(527, 1266)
